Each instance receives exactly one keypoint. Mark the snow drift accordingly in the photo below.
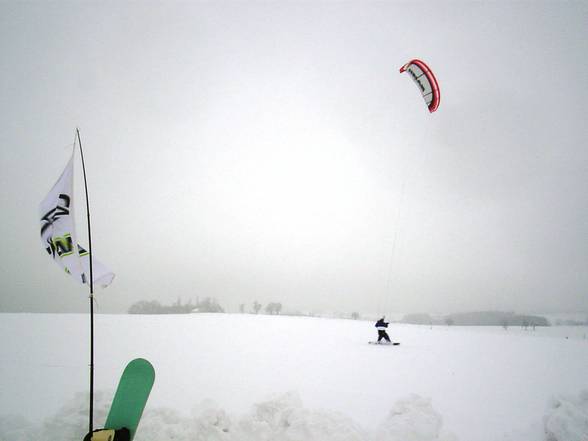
(281, 418)
(285, 418)
(567, 418)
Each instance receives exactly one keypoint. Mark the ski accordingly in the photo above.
(128, 403)
(395, 343)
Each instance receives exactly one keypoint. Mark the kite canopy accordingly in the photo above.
(424, 78)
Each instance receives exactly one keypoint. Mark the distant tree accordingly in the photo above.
(154, 307)
(209, 305)
(145, 307)
(242, 308)
(505, 324)
(256, 307)
(273, 308)
(449, 321)
(178, 308)
(355, 315)
(497, 318)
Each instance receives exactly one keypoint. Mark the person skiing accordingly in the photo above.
(381, 326)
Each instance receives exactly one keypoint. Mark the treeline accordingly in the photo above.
(478, 318)
(206, 305)
(571, 322)
(154, 307)
(256, 307)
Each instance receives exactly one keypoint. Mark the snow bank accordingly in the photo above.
(69, 423)
(281, 418)
(285, 418)
(567, 418)
(414, 419)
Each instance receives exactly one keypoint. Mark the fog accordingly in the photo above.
(273, 152)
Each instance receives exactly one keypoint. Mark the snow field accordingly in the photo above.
(244, 377)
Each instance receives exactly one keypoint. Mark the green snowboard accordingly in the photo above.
(131, 396)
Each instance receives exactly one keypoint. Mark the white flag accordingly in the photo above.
(101, 275)
(58, 234)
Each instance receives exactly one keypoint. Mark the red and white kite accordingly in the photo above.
(425, 79)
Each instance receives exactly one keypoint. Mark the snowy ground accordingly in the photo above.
(245, 377)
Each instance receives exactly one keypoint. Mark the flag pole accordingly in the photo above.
(91, 416)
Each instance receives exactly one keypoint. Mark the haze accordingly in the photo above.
(272, 152)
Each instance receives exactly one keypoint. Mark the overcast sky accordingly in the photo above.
(273, 152)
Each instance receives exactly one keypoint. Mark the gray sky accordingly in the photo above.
(272, 152)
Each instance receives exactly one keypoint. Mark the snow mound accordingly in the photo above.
(69, 423)
(413, 419)
(280, 418)
(283, 418)
(567, 418)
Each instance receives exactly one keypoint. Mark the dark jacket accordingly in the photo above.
(381, 324)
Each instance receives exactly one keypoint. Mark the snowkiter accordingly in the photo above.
(381, 326)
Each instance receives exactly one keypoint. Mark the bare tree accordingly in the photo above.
(273, 308)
